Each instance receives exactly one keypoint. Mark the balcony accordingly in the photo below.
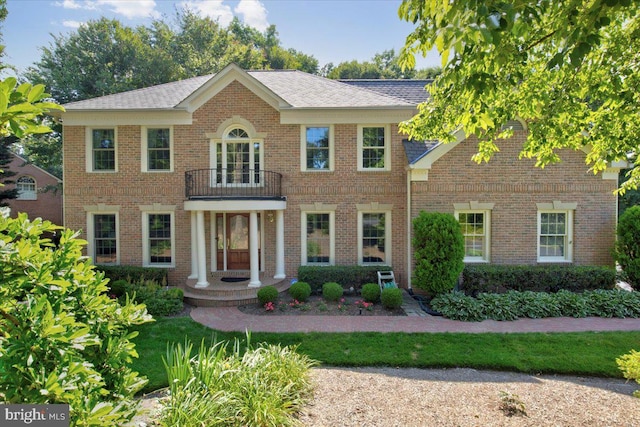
(210, 184)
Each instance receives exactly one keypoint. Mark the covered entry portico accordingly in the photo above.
(222, 213)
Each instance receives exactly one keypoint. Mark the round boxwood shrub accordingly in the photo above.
(370, 292)
(267, 294)
(439, 252)
(332, 291)
(391, 298)
(628, 245)
(300, 291)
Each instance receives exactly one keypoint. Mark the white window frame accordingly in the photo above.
(102, 210)
(252, 139)
(144, 149)
(375, 209)
(318, 208)
(557, 207)
(31, 193)
(89, 158)
(387, 148)
(303, 148)
(486, 247)
(146, 250)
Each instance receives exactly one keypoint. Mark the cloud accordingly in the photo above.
(214, 9)
(253, 14)
(127, 8)
(72, 24)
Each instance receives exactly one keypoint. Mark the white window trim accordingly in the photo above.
(387, 148)
(144, 149)
(146, 253)
(568, 256)
(374, 208)
(101, 210)
(487, 235)
(303, 148)
(318, 208)
(89, 149)
(215, 139)
(27, 195)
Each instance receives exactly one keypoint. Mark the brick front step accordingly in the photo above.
(225, 294)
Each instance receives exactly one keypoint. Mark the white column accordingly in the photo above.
(279, 245)
(202, 251)
(194, 250)
(253, 250)
(214, 241)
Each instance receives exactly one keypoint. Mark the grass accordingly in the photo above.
(581, 353)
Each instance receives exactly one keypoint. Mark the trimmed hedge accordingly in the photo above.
(134, 274)
(486, 278)
(160, 301)
(345, 275)
(535, 305)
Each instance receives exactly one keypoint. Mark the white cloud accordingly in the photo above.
(132, 8)
(72, 24)
(253, 14)
(214, 9)
(127, 8)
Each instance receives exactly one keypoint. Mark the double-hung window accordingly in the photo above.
(475, 222)
(157, 149)
(374, 235)
(105, 238)
(373, 149)
(158, 235)
(26, 187)
(555, 235)
(318, 234)
(102, 146)
(317, 148)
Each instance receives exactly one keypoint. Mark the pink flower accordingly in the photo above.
(269, 306)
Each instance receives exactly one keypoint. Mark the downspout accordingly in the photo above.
(409, 229)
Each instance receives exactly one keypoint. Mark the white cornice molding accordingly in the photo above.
(127, 118)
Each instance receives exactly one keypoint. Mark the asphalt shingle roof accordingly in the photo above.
(412, 91)
(415, 150)
(298, 89)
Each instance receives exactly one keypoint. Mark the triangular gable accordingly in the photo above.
(433, 155)
(224, 78)
(27, 165)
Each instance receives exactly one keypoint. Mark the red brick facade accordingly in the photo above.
(513, 186)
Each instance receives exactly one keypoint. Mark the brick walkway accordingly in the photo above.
(232, 319)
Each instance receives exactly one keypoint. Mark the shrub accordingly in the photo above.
(64, 340)
(263, 386)
(628, 245)
(458, 306)
(371, 292)
(158, 300)
(267, 294)
(346, 275)
(300, 291)
(502, 278)
(629, 364)
(439, 252)
(332, 291)
(391, 298)
(133, 274)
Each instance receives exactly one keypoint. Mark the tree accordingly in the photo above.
(569, 69)
(5, 173)
(383, 65)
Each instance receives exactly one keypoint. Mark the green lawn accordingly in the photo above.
(583, 353)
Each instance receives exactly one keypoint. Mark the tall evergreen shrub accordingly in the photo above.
(439, 252)
(628, 244)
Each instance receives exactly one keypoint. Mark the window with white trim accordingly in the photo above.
(158, 239)
(317, 148)
(238, 158)
(318, 238)
(555, 230)
(103, 229)
(476, 227)
(27, 189)
(101, 150)
(374, 237)
(373, 150)
(157, 149)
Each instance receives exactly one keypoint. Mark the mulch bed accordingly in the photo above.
(349, 305)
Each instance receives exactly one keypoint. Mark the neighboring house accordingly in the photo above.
(39, 192)
(254, 173)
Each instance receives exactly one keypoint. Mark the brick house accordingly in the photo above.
(39, 194)
(251, 174)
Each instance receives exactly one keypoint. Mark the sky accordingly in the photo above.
(330, 30)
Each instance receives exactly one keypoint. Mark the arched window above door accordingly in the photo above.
(238, 157)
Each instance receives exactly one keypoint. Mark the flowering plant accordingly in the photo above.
(366, 305)
(269, 306)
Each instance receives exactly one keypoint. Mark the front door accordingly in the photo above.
(233, 238)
